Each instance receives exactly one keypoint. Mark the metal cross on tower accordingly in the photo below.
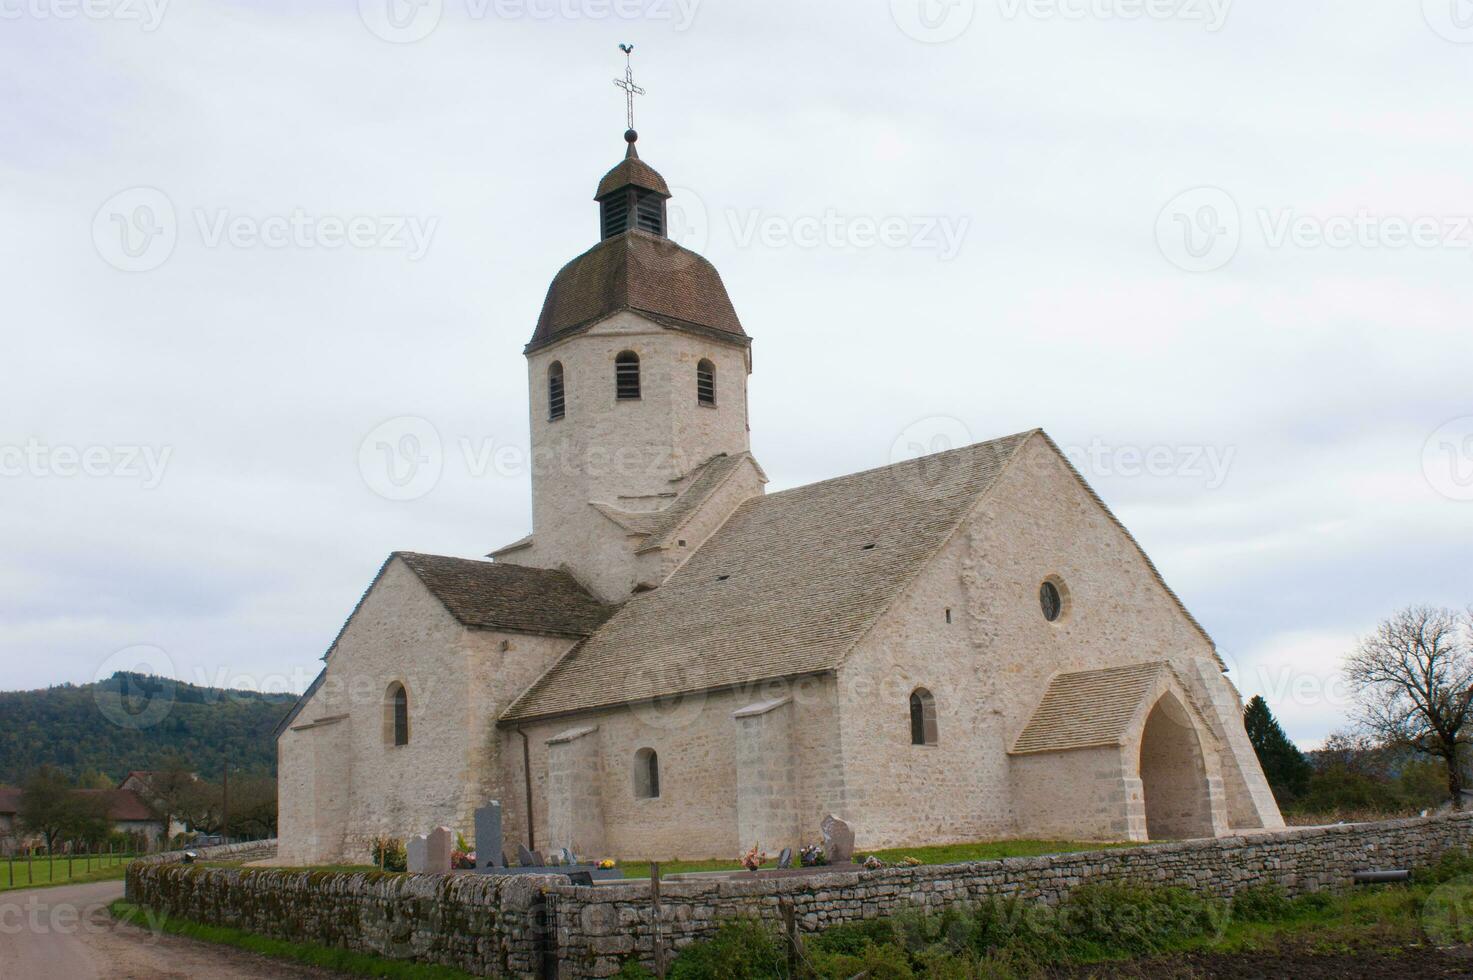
(627, 82)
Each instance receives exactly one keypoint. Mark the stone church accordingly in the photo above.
(675, 663)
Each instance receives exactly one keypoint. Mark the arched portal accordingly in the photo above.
(1174, 775)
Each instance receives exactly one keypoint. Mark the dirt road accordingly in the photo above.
(66, 934)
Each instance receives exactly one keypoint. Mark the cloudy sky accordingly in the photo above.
(1220, 250)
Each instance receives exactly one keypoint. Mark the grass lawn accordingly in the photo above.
(38, 872)
(323, 957)
(940, 854)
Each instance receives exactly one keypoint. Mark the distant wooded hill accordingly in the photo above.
(132, 721)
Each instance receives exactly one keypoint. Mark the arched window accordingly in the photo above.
(396, 715)
(706, 383)
(646, 774)
(922, 717)
(1053, 598)
(626, 376)
(556, 405)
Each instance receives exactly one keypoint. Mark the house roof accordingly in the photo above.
(123, 805)
(783, 589)
(642, 272)
(1088, 709)
(514, 597)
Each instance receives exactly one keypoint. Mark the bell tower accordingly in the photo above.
(637, 374)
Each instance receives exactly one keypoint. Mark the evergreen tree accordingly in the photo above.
(1286, 768)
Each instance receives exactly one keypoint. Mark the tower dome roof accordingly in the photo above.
(642, 272)
(632, 172)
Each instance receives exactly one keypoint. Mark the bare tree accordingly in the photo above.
(1414, 680)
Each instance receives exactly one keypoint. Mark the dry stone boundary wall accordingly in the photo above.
(530, 925)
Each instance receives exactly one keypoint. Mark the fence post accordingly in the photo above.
(790, 930)
(657, 936)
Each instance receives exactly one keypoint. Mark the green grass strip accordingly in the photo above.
(322, 957)
(38, 872)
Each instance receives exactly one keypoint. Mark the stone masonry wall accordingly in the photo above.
(506, 926)
(485, 925)
(596, 928)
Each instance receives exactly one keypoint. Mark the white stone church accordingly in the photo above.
(675, 663)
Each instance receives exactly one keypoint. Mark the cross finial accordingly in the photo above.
(627, 84)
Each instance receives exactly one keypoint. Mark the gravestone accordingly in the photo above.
(440, 843)
(538, 861)
(488, 834)
(525, 858)
(785, 859)
(566, 854)
(417, 854)
(838, 840)
(505, 861)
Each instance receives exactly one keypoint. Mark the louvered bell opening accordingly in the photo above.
(556, 405)
(615, 213)
(706, 383)
(626, 376)
(650, 212)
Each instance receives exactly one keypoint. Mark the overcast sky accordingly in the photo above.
(1220, 251)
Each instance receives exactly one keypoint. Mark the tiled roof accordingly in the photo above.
(632, 170)
(514, 597)
(784, 589)
(123, 804)
(1088, 709)
(671, 520)
(642, 272)
(659, 527)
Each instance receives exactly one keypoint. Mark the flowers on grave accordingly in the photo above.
(753, 859)
(607, 864)
(813, 856)
(910, 862)
(463, 860)
(389, 854)
(873, 863)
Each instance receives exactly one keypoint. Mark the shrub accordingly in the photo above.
(887, 962)
(1452, 864)
(1131, 920)
(744, 949)
(1262, 903)
(390, 854)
